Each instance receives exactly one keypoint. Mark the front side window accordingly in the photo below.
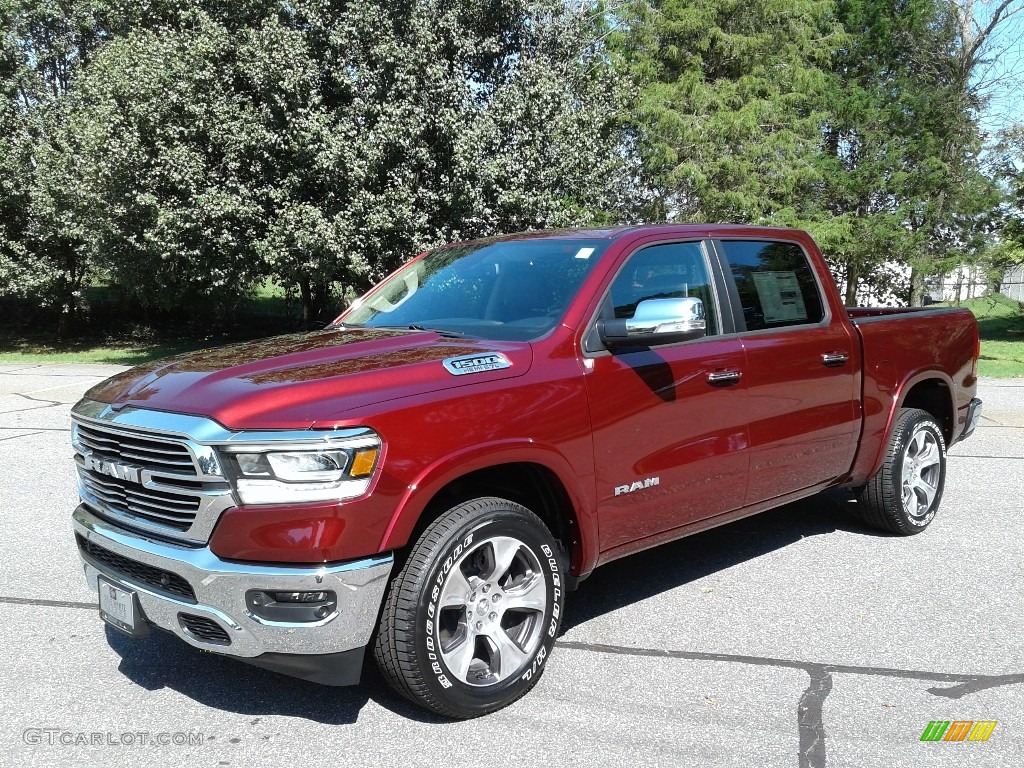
(668, 271)
(511, 290)
(775, 283)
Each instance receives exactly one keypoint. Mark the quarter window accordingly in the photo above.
(775, 283)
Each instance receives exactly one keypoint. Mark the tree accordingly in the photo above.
(879, 158)
(42, 46)
(207, 147)
(1007, 251)
(178, 156)
(855, 119)
(729, 116)
(962, 194)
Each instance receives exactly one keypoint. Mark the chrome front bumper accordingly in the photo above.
(220, 589)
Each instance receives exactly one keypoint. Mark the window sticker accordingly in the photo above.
(780, 296)
(584, 253)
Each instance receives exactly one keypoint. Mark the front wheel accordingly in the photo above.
(905, 494)
(471, 618)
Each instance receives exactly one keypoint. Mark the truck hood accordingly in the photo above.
(307, 379)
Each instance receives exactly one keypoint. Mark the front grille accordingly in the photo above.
(147, 481)
(202, 628)
(147, 574)
(156, 453)
(162, 507)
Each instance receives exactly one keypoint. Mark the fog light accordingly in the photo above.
(301, 597)
(291, 607)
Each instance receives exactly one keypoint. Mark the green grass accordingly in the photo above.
(1000, 321)
(1001, 325)
(27, 351)
(112, 338)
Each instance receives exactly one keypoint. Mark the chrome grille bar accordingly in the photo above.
(142, 449)
(150, 481)
(160, 473)
(173, 510)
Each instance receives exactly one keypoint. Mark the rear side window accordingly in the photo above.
(775, 282)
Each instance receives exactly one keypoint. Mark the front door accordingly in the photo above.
(669, 421)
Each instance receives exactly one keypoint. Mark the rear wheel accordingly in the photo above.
(905, 494)
(471, 618)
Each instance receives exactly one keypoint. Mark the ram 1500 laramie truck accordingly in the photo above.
(430, 474)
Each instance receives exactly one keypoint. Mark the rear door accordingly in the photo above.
(800, 369)
(669, 421)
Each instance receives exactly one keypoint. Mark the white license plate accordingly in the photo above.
(117, 605)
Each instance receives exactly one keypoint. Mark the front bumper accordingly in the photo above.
(220, 588)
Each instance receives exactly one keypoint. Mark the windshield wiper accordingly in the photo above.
(438, 331)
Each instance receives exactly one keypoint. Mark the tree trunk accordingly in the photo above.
(315, 298)
(67, 299)
(851, 284)
(323, 299)
(65, 324)
(916, 288)
(306, 294)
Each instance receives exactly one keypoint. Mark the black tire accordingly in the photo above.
(471, 617)
(904, 495)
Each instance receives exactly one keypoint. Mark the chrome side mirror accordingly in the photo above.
(656, 321)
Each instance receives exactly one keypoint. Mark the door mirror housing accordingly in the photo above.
(656, 321)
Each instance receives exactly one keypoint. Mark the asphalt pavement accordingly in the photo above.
(797, 637)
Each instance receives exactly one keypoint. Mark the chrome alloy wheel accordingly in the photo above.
(922, 473)
(490, 618)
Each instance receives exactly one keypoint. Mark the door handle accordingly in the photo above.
(723, 378)
(834, 359)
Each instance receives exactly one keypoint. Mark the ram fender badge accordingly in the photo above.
(484, 361)
(637, 485)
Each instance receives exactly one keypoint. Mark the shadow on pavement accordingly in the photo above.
(163, 661)
(668, 566)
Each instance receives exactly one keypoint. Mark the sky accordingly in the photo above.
(1002, 75)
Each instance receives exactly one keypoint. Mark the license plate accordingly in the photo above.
(117, 605)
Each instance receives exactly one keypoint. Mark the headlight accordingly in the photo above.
(295, 466)
(332, 470)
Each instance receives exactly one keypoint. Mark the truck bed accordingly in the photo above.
(899, 345)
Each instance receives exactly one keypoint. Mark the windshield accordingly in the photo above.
(513, 290)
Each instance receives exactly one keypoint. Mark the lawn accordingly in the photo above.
(112, 338)
(1001, 323)
(29, 351)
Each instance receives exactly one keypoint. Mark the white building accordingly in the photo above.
(1012, 284)
(964, 282)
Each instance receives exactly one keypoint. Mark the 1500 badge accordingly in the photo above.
(486, 361)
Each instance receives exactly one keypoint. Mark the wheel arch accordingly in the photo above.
(934, 395)
(932, 392)
(541, 481)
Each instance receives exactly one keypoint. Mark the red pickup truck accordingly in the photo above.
(430, 474)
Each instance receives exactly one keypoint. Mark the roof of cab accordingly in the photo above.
(614, 233)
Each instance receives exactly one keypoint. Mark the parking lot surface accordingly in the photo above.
(797, 637)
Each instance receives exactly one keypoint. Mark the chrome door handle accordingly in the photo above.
(724, 377)
(834, 359)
